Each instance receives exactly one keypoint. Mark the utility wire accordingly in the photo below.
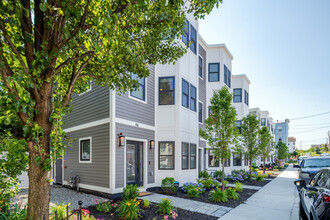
(310, 116)
(309, 130)
(307, 125)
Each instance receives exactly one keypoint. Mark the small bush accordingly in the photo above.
(168, 185)
(165, 207)
(146, 203)
(17, 213)
(226, 183)
(61, 210)
(275, 170)
(193, 189)
(103, 205)
(239, 187)
(130, 192)
(218, 196)
(231, 194)
(193, 193)
(259, 178)
(204, 174)
(218, 174)
(129, 209)
(209, 183)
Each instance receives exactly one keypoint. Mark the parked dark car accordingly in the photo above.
(310, 166)
(315, 196)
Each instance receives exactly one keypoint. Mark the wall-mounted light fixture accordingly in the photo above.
(152, 144)
(121, 140)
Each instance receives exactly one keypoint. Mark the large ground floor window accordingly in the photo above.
(166, 155)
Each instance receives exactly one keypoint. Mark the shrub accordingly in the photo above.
(218, 174)
(209, 183)
(231, 194)
(168, 185)
(165, 207)
(218, 196)
(226, 183)
(103, 205)
(259, 178)
(193, 189)
(129, 209)
(17, 213)
(130, 192)
(239, 187)
(234, 178)
(204, 174)
(193, 193)
(61, 210)
(275, 169)
(146, 203)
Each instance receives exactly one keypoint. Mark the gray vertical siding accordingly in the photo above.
(202, 85)
(97, 172)
(88, 107)
(136, 111)
(134, 132)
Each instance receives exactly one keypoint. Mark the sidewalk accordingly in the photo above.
(277, 200)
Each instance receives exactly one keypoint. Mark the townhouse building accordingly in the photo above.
(291, 144)
(282, 131)
(143, 136)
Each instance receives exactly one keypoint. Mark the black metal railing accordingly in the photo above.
(78, 213)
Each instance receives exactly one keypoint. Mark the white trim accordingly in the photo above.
(134, 124)
(88, 125)
(145, 94)
(90, 150)
(96, 188)
(89, 89)
(113, 137)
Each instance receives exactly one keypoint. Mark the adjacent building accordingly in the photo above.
(291, 144)
(282, 132)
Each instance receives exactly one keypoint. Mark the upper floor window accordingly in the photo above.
(214, 71)
(279, 129)
(193, 39)
(227, 76)
(185, 93)
(239, 125)
(200, 112)
(140, 92)
(166, 90)
(246, 97)
(237, 95)
(263, 122)
(185, 35)
(192, 97)
(200, 67)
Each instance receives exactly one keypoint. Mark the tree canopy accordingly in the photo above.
(265, 144)
(282, 150)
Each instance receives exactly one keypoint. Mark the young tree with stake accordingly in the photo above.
(220, 129)
(265, 144)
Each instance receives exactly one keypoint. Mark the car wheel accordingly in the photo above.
(302, 214)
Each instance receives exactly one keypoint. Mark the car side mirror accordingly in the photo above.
(301, 183)
(296, 166)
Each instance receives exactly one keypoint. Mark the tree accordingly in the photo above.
(249, 138)
(265, 145)
(51, 49)
(282, 150)
(220, 130)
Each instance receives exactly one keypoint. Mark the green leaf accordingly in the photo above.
(43, 7)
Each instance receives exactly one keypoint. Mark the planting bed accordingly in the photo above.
(150, 214)
(254, 182)
(204, 197)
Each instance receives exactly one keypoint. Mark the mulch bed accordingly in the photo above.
(254, 183)
(150, 214)
(204, 197)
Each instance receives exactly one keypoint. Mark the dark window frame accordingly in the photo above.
(193, 100)
(217, 163)
(143, 86)
(192, 156)
(263, 121)
(200, 112)
(200, 67)
(238, 124)
(81, 150)
(173, 91)
(227, 162)
(185, 94)
(186, 31)
(186, 155)
(193, 39)
(217, 73)
(173, 155)
(239, 96)
(235, 156)
(246, 97)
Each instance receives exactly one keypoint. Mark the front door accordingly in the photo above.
(58, 179)
(134, 163)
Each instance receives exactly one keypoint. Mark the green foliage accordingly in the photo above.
(103, 205)
(193, 193)
(260, 178)
(218, 174)
(209, 183)
(282, 150)
(168, 185)
(61, 210)
(225, 183)
(231, 194)
(129, 209)
(203, 174)
(249, 137)
(220, 130)
(218, 195)
(239, 187)
(17, 213)
(165, 207)
(130, 192)
(146, 203)
(265, 144)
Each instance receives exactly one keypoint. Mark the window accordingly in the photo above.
(192, 156)
(200, 112)
(237, 95)
(263, 122)
(214, 69)
(238, 126)
(166, 90)
(166, 155)
(193, 39)
(210, 111)
(192, 98)
(212, 160)
(185, 36)
(139, 93)
(185, 93)
(246, 97)
(85, 150)
(185, 156)
(200, 67)
(227, 76)
(227, 162)
(279, 128)
(237, 160)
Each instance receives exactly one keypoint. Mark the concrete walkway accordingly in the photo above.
(277, 200)
(191, 205)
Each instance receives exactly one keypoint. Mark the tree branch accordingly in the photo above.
(26, 25)
(12, 46)
(72, 59)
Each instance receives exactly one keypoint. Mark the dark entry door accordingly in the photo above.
(200, 160)
(134, 163)
(58, 179)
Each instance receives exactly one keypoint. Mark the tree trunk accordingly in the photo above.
(264, 168)
(250, 168)
(223, 174)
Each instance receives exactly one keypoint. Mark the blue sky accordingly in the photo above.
(283, 47)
